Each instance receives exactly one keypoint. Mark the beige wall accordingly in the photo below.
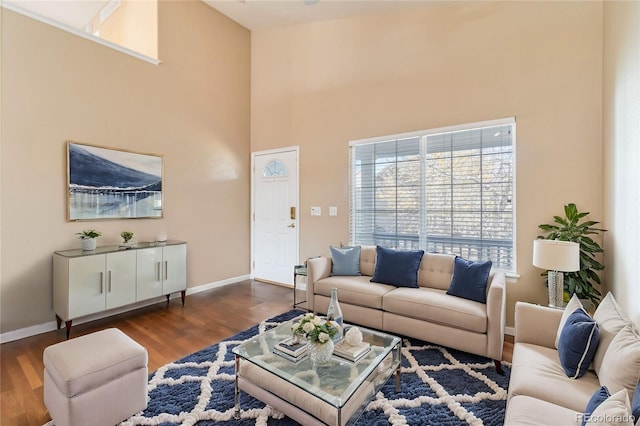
(193, 108)
(134, 25)
(321, 85)
(317, 86)
(622, 151)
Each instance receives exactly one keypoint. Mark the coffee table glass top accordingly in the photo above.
(333, 382)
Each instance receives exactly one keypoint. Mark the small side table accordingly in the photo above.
(298, 270)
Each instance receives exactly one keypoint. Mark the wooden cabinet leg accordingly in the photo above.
(168, 295)
(58, 321)
(68, 326)
(183, 293)
(498, 364)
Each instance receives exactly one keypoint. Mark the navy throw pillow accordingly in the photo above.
(345, 260)
(635, 404)
(578, 343)
(397, 267)
(598, 398)
(469, 279)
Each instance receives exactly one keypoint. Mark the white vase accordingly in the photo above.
(88, 244)
(320, 353)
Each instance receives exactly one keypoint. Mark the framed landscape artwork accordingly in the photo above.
(105, 183)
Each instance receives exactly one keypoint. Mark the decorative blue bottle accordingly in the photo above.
(334, 313)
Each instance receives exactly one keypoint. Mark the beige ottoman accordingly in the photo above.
(96, 379)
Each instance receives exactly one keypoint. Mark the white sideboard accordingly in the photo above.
(88, 282)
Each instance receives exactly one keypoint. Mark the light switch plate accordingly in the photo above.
(316, 211)
(333, 211)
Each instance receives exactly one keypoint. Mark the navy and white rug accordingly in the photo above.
(440, 386)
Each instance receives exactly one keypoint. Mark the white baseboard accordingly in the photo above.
(216, 284)
(510, 331)
(22, 333)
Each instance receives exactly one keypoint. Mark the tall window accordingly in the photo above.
(448, 190)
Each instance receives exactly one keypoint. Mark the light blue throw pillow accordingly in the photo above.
(469, 279)
(596, 399)
(578, 343)
(397, 267)
(345, 260)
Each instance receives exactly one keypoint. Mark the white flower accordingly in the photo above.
(308, 327)
(323, 337)
(295, 326)
(318, 321)
(309, 315)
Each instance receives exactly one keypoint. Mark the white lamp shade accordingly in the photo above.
(554, 255)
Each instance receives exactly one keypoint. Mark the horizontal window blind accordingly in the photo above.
(443, 191)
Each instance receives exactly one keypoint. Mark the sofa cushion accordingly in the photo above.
(610, 319)
(397, 267)
(345, 260)
(536, 372)
(354, 290)
(470, 279)
(574, 303)
(614, 411)
(635, 403)
(367, 260)
(578, 343)
(596, 399)
(436, 306)
(524, 410)
(621, 363)
(436, 270)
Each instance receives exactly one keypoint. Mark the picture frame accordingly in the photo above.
(109, 183)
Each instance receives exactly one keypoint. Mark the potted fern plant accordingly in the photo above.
(570, 228)
(88, 238)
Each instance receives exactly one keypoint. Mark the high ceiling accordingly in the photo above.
(252, 14)
(74, 13)
(259, 14)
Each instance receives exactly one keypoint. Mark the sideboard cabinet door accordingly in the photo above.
(120, 279)
(174, 268)
(86, 285)
(149, 274)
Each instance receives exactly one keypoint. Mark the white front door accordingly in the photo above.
(275, 215)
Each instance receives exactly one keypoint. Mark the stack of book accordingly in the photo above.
(351, 352)
(292, 351)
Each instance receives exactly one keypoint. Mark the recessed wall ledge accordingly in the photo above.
(512, 277)
(65, 27)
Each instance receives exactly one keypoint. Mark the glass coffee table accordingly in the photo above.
(335, 393)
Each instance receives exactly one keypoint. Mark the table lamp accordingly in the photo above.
(556, 257)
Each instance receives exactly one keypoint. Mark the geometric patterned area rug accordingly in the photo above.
(439, 386)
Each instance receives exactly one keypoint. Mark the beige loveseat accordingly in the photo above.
(425, 313)
(540, 393)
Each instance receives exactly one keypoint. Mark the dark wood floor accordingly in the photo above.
(168, 332)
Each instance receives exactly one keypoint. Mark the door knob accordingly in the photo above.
(293, 225)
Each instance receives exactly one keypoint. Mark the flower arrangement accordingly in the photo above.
(315, 328)
(126, 236)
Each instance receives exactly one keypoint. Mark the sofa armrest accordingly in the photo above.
(536, 324)
(496, 315)
(317, 269)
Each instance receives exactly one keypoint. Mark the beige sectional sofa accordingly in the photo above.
(540, 393)
(425, 313)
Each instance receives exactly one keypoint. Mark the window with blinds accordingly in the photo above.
(448, 190)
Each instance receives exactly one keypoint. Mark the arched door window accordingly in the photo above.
(275, 168)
